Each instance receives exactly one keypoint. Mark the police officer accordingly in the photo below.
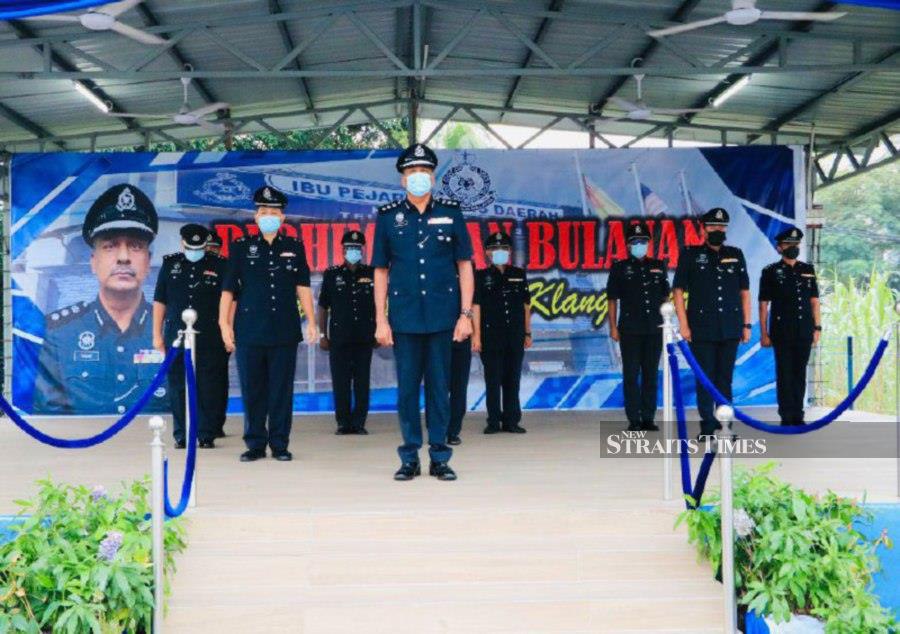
(347, 296)
(97, 356)
(717, 315)
(502, 333)
(640, 285)
(460, 367)
(790, 286)
(214, 243)
(421, 246)
(214, 246)
(193, 279)
(269, 272)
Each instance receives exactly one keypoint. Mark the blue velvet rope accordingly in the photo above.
(191, 446)
(779, 429)
(695, 491)
(112, 430)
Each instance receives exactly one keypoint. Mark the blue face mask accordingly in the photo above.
(638, 249)
(500, 257)
(194, 255)
(418, 183)
(268, 224)
(353, 255)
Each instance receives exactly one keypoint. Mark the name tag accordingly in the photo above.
(443, 220)
(656, 270)
(807, 275)
(727, 260)
(86, 355)
(516, 279)
(365, 280)
(213, 273)
(287, 254)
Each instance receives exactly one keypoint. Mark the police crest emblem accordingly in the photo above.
(86, 340)
(224, 188)
(400, 219)
(469, 184)
(126, 200)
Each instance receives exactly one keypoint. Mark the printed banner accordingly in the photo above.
(566, 209)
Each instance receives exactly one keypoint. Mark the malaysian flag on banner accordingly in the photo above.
(602, 205)
(653, 204)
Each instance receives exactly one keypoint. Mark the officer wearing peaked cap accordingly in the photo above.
(192, 278)
(793, 325)
(716, 315)
(97, 356)
(347, 296)
(502, 333)
(638, 285)
(268, 272)
(422, 259)
(214, 243)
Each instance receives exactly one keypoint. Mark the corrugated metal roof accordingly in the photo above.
(243, 34)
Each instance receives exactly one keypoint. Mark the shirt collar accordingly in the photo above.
(105, 320)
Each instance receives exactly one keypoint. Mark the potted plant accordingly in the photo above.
(796, 554)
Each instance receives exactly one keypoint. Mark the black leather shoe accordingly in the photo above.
(179, 444)
(282, 456)
(634, 427)
(408, 471)
(441, 471)
(515, 429)
(650, 427)
(221, 434)
(454, 440)
(343, 431)
(207, 444)
(702, 436)
(253, 454)
(492, 429)
(360, 431)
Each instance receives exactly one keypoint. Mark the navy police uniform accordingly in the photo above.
(460, 368)
(264, 278)
(422, 250)
(87, 364)
(640, 286)
(184, 284)
(347, 293)
(501, 295)
(713, 281)
(790, 289)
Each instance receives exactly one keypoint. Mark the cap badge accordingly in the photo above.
(267, 194)
(719, 215)
(419, 151)
(126, 200)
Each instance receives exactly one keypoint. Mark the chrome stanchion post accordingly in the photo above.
(157, 518)
(667, 310)
(725, 415)
(189, 317)
(897, 388)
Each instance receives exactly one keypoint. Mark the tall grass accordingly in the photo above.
(865, 311)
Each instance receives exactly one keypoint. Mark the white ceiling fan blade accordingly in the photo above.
(675, 110)
(212, 127)
(138, 115)
(801, 15)
(136, 34)
(118, 8)
(624, 104)
(690, 26)
(54, 17)
(208, 109)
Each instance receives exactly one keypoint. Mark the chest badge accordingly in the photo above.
(400, 219)
(254, 250)
(701, 259)
(86, 340)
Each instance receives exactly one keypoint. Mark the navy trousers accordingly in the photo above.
(502, 375)
(460, 368)
(640, 362)
(717, 360)
(425, 357)
(267, 390)
(212, 383)
(351, 363)
(791, 359)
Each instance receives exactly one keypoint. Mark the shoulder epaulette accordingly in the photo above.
(65, 315)
(447, 202)
(170, 256)
(391, 205)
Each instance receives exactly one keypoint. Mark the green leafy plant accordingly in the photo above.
(796, 553)
(81, 562)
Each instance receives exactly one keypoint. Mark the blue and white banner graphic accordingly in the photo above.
(566, 210)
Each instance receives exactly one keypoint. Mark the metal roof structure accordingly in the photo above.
(301, 64)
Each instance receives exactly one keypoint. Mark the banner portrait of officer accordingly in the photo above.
(96, 357)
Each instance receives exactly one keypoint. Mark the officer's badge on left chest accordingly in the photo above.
(86, 340)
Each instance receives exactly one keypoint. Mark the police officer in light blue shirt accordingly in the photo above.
(423, 277)
(97, 356)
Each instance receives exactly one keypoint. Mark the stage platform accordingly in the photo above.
(541, 533)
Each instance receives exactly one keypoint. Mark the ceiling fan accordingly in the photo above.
(640, 111)
(744, 12)
(104, 19)
(184, 116)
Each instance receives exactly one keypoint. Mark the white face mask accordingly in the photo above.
(418, 183)
(194, 255)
